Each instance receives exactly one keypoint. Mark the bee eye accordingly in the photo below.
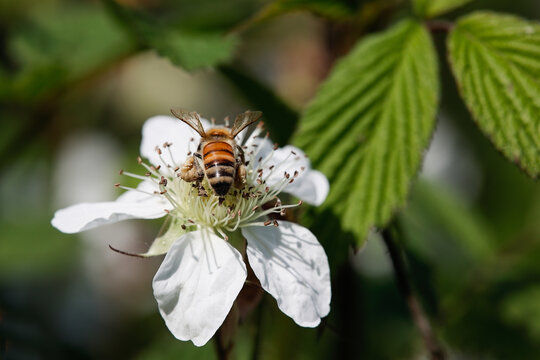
(199, 147)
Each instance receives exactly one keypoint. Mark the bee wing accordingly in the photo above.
(191, 118)
(243, 120)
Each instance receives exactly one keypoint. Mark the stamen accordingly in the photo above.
(135, 176)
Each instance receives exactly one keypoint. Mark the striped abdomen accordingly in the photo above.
(219, 165)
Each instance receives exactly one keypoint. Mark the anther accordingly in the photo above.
(271, 167)
(255, 208)
(139, 160)
(176, 169)
(287, 175)
(259, 181)
(267, 189)
(300, 202)
(260, 159)
(276, 146)
(292, 152)
(121, 172)
(239, 213)
(147, 173)
(291, 181)
(184, 227)
(191, 139)
(167, 211)
(162, 192)
(189, 153)
(267, 222)
(158, 150)
(117, 185)
(191, 221)
(276, 224)
(163, 181)
(295, 173)
(158, 167)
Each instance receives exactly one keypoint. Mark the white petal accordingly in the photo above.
(197, 284)
(310, 185)
(160, 129)
(130, 205)
(145, 191)
(292, 266)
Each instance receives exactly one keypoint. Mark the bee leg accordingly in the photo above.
(191, 170)
(240, 176)
(202, 190)
(240, 173)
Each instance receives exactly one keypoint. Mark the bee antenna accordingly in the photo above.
(227, 122)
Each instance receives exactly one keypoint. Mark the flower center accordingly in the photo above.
(194, 205)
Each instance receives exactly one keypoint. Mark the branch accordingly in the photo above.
(223, 351)
(224, 337)
(255, 355)
(439, 25)
(420, 319)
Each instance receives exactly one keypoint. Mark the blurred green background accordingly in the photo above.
(79, 78)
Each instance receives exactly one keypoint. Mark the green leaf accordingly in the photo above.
(188, 49)
(496, 61)
(437, 221)
(432, 8)
(371, 120)
(521, 308)
(57, 46)
(280, 119)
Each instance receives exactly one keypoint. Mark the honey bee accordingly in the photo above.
(218, 156)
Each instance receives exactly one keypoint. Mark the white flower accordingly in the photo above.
(202, 273)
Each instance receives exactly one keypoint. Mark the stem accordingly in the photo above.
(223, 351)
(420, 319)
(258, 335)
(439, 25)
(224, 337)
